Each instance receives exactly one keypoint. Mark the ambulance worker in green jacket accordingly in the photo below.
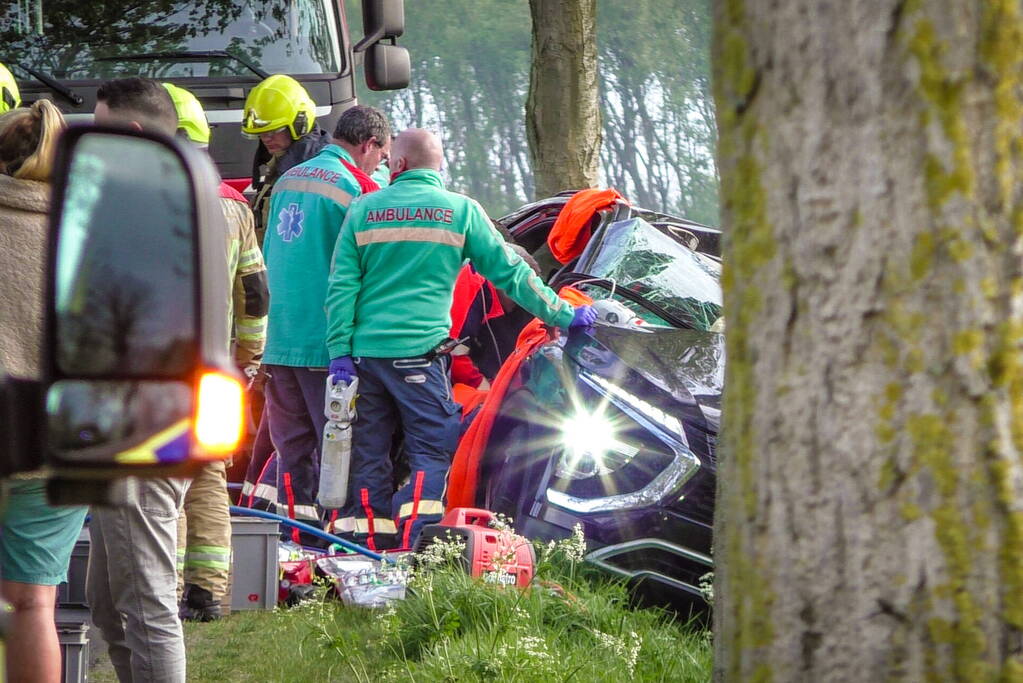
(388, 300)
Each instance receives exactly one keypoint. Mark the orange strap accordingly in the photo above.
(290, 493)
(467, 396)
(417, 495)
(370, 543)
(465, 466)
(571, 231)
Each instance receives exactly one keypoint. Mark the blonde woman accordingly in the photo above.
(35, 539)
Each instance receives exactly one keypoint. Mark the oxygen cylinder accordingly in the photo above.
(336, 451)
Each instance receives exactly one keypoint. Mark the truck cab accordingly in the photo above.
(218, 49)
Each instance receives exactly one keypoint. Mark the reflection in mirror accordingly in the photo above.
(119, 422)
(126, 261)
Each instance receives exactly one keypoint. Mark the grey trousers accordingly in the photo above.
(132, 583)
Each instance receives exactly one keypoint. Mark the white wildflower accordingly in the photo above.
(625, 649)
(707, 587)
(441, 551)
(609, 642)
(534, 647)
(574, 546)
(631, 655)
(501, 522)
(421, 581)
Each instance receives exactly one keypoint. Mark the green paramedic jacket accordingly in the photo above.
(395, 265)
(307, 208)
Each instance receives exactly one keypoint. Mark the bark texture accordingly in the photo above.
(870, 510)
(563, 105)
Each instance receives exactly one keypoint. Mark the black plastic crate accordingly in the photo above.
(74, 650)
(72, 592)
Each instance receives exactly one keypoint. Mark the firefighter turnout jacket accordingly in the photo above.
(249, 295)
(397, 259)
(204, 528)
(307, 208)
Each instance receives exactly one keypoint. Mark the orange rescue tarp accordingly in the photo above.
(571, 231)
(464, 472)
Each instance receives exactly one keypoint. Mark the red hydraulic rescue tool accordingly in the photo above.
(495, 555)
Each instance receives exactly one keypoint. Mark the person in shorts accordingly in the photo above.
(35, 539)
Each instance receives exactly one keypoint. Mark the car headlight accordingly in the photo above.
(626, 453)
(590, 447)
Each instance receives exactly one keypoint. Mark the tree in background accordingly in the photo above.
(869, 521)
(470, 62)
(659, 127)
(563, 105)
(470, 77)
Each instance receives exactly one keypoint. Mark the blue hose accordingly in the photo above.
(312, 531)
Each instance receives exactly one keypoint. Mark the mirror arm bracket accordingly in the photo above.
(369, 41)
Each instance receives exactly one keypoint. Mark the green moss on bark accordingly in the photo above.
(933, 440)
(943, 90)
(750, 247)
(1001, 38)
(964, 516)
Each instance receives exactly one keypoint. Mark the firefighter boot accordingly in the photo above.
(197, 604)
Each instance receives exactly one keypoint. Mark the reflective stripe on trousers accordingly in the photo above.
(415, 393)
(208, 556)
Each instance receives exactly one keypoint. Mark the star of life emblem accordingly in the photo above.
(289, 222)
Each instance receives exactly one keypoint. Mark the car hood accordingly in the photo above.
(688, 365)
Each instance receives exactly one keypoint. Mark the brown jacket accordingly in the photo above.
(250, 298)
(24, 205)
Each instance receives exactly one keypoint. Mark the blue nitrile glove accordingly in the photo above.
(342, 369)
(584, 316)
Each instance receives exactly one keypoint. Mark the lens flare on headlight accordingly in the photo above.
(587, 435)
(590, 446)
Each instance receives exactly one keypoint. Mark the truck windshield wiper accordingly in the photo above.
(52, 83)
(190, 55)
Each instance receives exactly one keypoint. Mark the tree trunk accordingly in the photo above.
(563, 107)
(870, 516)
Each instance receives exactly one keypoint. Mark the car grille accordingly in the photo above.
(712, 447)
(697, 503)
(662, 561)
(703, 442)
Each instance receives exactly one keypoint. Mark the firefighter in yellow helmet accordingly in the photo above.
(192, 122)
(280, 113)
(204, 528)
(10, 98)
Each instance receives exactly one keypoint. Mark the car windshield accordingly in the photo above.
(96, 39)
(638, 257)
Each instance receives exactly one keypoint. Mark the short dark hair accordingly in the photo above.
(144, 100)
(358, 124)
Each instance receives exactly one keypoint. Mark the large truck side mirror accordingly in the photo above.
(138, 378)
(387, 66)
(381, 19)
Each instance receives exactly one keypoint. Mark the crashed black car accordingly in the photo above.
(614, 428)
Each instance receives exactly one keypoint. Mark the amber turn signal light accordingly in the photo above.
(219, 415)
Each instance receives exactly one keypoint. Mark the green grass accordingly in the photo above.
(575, 626)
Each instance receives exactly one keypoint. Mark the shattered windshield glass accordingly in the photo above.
(99, 39)
(638, 257)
